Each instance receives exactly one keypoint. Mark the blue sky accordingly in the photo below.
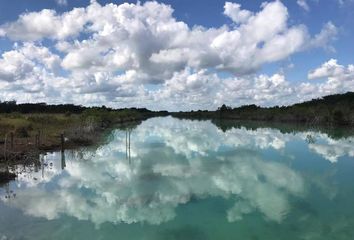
(176, 73)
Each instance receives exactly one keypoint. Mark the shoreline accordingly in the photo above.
(26, 152)
(27, 146)
(81, 139)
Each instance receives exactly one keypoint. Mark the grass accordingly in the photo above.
(50, 125)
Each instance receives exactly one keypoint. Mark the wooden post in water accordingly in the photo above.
(62, 142)
(12, 140)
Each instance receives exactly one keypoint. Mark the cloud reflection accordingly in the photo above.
(172, 162)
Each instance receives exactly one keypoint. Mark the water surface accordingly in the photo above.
(181, 179)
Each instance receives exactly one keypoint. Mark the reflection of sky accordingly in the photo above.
(172, 162)
(332, 149)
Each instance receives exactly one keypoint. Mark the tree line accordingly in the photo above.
(13, 106)
(335, 109)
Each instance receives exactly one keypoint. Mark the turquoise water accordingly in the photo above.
(180, 179)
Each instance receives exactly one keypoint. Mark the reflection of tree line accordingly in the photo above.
(335, 133)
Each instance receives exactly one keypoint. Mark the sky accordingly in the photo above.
(175, 54)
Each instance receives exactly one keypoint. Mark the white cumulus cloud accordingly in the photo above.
(303, 4)
(62, 2)
(139, 55)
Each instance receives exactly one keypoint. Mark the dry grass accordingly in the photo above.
(49, 125)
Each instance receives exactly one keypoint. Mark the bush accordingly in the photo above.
(338, 117)
(21, 132)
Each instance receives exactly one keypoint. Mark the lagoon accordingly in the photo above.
(181, 179)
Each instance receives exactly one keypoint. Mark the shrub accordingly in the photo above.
(21, 132)
(338, 117)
